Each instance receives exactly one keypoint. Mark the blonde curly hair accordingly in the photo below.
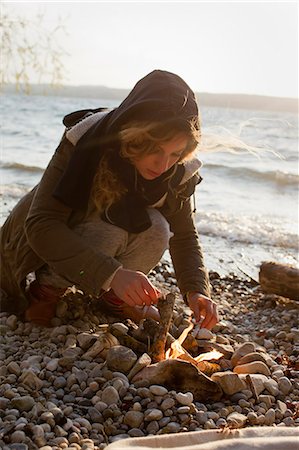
(137, 140)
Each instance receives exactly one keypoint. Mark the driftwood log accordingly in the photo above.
(165, 306)
(280, 279)
(182, 377)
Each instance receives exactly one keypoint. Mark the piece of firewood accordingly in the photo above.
(280, 279)
(165, 306)
(180, 376)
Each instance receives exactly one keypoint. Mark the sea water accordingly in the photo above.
(246, 205)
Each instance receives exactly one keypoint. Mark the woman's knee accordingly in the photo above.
(159, 231)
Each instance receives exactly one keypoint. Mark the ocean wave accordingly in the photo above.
(21, 167)
(273, 176)
(13, 190)
(245, 229)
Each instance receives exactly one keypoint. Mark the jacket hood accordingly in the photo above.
(160, 96)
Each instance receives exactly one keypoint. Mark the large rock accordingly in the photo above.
(229, 382)
(22, 404)
(242, 350)
(254, 356)
(253, 367)
(133, 419)
(236, 420)
(255, 382)
(120, 359)
(110, 395)
(31, 380)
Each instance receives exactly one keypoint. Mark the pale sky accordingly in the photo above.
(220, 47)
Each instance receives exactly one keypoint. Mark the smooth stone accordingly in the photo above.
(133, 419)
(284, 385)
(236, 420)
(12, 322)
(268, 344)
(272, 387)
(158, 390)
(242, 350)
(14, 368)
(172, 427)
(204, 333)
(135, 432)
(253, 367)
(4, 403)
(184, 399)
(38, 431)
(168, 403)
(18, 437)
(153, 427)
(276, 374)
(201, 417)
(120, 328)
(164, 421)
(59, 382)
(183, 410)
(25, 403)
(250, 357)
(143, 361)
(252, 418)
(31, 380)
(52, 365)
(221, 423)
(101, 406)
(120, 358)
(281, 335)
(110, 395)
(281, 406)
(267, 399)
(95, 415)
(269, 417)
(229, 382)
(153, 414)
(258, 381)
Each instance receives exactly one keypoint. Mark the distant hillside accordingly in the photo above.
(243, 101)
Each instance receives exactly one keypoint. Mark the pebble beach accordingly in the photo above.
(61, 389)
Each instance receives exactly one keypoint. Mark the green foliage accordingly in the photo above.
(29, 51)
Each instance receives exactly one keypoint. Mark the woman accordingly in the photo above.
(115, 195)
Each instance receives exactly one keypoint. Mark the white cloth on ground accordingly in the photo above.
(255, 438)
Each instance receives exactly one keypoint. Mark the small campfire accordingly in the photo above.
(172, 365)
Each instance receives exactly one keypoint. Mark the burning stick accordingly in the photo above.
(165, 306)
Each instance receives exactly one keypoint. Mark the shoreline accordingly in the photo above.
(244, 260)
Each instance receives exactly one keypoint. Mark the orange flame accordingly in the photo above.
(209, 356)
(177, 351)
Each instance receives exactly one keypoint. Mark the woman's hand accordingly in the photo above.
(134, 288)
(203, 307)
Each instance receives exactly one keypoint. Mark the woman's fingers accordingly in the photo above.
(210, 318)
(134, 288)
(204, 307)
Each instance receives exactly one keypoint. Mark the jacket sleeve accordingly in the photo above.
(186, 252)
(54, 242)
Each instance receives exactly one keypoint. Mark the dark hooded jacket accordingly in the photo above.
(39, 229)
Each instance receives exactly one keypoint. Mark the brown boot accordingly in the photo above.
(43, 300)
(113, 305)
